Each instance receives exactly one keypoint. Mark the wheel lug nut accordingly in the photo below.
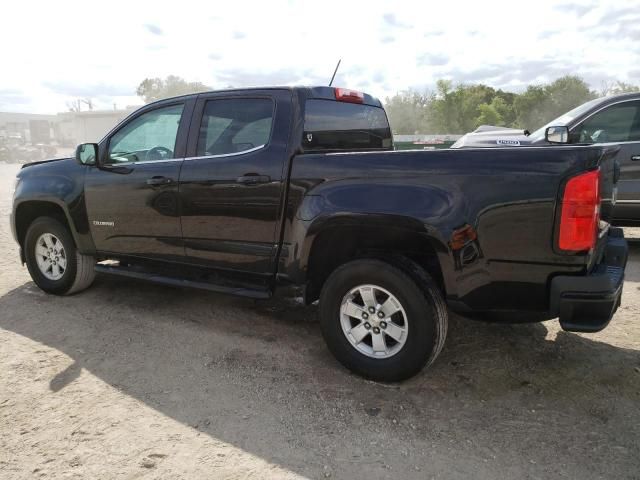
(383, 324)
(365, 315)
(376, 330)
(372, 310)
(380, 314)
(367, 325)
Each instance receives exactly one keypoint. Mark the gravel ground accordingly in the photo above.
(134, 380)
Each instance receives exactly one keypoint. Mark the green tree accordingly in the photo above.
(488, 116)
(566, 93)
(530, 107)
(462, 108)
(503, 104)
(152, 89)
(618, 87)
(469, 99)
(444, 108)
(456, 110)
(539, 104)
(408, 112)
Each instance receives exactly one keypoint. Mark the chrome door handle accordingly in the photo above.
(154, 181)
(253, 179)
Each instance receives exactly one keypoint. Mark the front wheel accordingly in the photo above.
(380, 323)
(54, 263)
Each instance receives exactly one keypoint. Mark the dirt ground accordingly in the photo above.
(134, 380)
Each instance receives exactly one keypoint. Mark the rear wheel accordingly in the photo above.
(54, 263)
(379, 322)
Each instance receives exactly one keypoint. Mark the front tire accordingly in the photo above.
(53, 261)
(379, 322)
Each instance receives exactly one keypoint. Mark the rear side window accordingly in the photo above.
(234, 125)
(619, 123)
(330, 125)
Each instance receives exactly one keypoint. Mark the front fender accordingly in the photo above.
(61, 184)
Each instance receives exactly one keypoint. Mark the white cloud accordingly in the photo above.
(52, 51)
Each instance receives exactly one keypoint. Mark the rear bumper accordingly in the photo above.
(587, 303)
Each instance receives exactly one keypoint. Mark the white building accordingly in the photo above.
(64, 129)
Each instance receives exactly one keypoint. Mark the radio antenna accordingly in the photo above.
(334, 72)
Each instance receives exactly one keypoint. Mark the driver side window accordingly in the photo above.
(619, 123)
(149, 137)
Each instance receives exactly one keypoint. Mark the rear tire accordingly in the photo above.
(54, 263)
(352, 321)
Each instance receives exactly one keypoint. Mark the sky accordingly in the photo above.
(55, 52)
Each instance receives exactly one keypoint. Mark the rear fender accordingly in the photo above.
(394, 226)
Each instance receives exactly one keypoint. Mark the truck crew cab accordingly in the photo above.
(240, 191)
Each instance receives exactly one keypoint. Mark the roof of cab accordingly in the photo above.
(320, 92)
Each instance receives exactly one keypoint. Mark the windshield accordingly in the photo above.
(565, 118)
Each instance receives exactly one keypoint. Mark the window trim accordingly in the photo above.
(232, 154)
(199, 111)
(587, 117)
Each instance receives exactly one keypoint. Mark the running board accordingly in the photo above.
(242, 291)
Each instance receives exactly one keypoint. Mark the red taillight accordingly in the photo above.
(580, 212)
(351, 96)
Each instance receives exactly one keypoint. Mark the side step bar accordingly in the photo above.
(242, 291)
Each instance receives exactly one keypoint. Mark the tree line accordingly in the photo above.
(462, 108)
(450, 109)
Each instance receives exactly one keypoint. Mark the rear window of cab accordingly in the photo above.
(340, 126)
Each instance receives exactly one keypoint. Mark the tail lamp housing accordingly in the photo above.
(580, 213)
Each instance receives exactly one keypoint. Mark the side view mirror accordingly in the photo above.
(87, 153)
(557, 134)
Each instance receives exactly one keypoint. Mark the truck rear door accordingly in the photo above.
(232, 180)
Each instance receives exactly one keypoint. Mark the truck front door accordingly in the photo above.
(132, 200)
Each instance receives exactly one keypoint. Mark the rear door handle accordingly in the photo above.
(635, 158)
(153, 181)
(253, 179)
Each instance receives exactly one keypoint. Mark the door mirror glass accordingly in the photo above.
(87, 153)
(557, 134)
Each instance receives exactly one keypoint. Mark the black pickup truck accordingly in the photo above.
(241, 191)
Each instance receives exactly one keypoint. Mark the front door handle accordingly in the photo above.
(154, 181)
(253, 179)
(635, 158)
